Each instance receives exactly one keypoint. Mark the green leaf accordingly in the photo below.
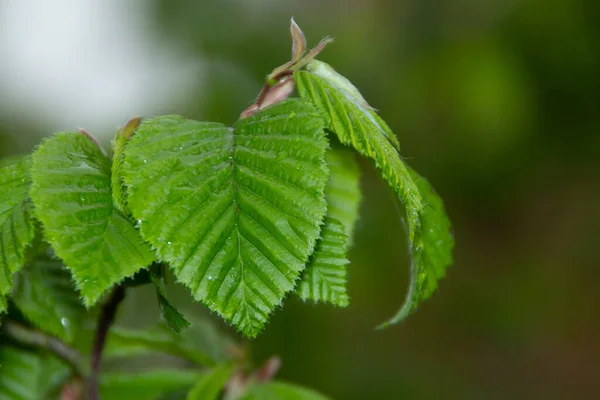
(282, 391)
(367, 115)
(172, 317)
(119, 190)
(46, 296)
(202, 343)
(324, 279)
(148, 385)
(343, 190)
(235, 211)
(72, 196)
(210, 385)
(16, 225)
(435, 243)
(25, 375)
(357, 125)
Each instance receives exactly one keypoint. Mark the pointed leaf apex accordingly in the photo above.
(130, 127)
(89, 135)
(298, 41)
(250, 111)
(300, 57)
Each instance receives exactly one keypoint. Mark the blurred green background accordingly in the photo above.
(497, 102)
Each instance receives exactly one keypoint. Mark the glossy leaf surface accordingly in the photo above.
(235, 211)
(16, 225)
(71, 191)
(357, 125)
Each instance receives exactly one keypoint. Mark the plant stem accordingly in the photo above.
(107, 316)
(36, 338)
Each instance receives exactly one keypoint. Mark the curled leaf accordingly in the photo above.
(429, 236)
(119, 191)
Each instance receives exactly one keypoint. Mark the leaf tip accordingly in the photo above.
(90, 295)
(405, 310)
(173, 318)
(89, 136)
(298, 41)
(130, 127)
(250, 111)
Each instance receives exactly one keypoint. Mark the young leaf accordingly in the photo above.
(235, 211)
(281, 391)
(16, 225)
(343, 190)
(119, 191)
(148, 385)
(434, 249)
(72, 196)
(45, 294)
(367, 115)
(172, 317)
(357, 125)
(324, 279)
(298, 41)
(25, 375)
(211, 384)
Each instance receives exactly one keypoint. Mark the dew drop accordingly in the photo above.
(210, 278)
(145, 162)
(168, 242)
(64, 322)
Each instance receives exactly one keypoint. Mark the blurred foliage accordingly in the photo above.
(496, 103)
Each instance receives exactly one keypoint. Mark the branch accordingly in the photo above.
(268, 370)
(39, 339)
(107, 316)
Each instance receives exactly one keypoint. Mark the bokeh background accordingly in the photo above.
(497, 102)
